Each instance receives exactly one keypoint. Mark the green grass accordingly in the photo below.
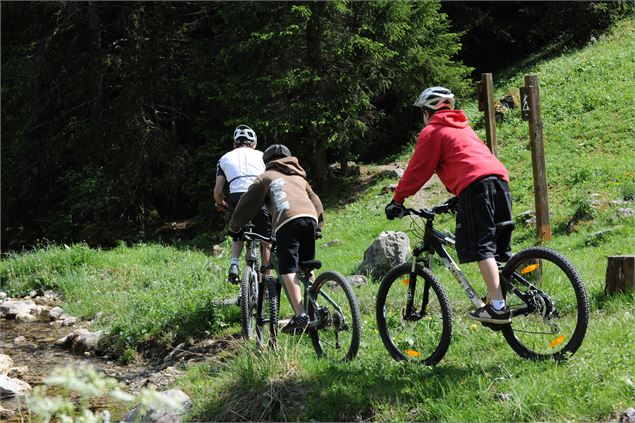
(155, 296)
(142, 294)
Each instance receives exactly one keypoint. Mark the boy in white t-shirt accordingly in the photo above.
(239, 168)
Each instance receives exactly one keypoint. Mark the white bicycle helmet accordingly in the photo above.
(435, 98)
(244, 135)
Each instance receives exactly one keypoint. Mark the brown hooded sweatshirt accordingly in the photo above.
(285, 192)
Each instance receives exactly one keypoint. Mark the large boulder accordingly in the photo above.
(388, 250)
(168, 408)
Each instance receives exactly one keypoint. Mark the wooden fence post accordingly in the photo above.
(485, 95)
(620, 274)
(530, 108)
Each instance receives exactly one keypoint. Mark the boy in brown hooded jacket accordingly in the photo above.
(297, 217)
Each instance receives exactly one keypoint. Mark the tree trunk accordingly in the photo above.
(620, 275)
(96, 69)
(315, 62)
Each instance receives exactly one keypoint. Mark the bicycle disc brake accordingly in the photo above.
(544, 306)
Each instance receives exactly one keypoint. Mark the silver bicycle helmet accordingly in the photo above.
(275, 151)
(244, 135)
(435, 98)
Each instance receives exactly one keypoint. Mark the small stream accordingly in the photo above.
(41, 356)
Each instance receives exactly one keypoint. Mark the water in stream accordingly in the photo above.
(41, 356)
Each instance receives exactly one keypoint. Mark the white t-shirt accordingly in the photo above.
(240, 167)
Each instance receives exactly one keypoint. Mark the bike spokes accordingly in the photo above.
(410, 333)
(335, 317)
(548, 303)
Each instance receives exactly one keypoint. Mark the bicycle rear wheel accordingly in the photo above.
(424, 334)
(332, 304)
(549, 305)
(248, 298)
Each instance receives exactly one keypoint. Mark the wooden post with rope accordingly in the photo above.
(485, 95)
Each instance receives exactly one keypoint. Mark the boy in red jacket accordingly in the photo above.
(448, 146)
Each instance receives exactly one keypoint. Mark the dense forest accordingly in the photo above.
(115, 113)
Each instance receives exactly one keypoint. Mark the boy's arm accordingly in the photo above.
(420, 168)
(218, 190)
(248, 205)
(219, 196)
(317, 204)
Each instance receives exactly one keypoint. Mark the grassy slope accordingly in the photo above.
(152, 293)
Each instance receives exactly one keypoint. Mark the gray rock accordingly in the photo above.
(10, 387)
(628, 416)
(158, 412)
(6, 363)
(388, 250)
(11, 308)
(55, 313)
(3, 295)
(20, 340)
(357, 280)
(81, 341)
(5, 413)
(25, 317)
(332, 243)
(18, 372)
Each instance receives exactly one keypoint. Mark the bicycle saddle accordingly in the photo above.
(309, 265)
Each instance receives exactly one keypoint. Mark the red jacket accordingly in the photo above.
(449, 147)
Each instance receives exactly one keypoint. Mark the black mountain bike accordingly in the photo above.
(547, 299)
(329, 299)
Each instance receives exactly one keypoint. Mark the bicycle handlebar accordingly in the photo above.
(250, 236)
(448, 206)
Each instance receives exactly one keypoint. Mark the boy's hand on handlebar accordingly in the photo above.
(452, 204)
(222, 207)
(394, 209)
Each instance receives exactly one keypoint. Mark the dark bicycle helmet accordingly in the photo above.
(244, 135)
(275, 151)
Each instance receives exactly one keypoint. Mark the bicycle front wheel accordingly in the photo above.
(423, 333)
(248, 298)
(548, 302)
(333, 309)
(267, 313)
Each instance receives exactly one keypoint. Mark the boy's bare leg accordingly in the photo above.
(237, 248)
(489, 270)
(292, 283)
(266, 256)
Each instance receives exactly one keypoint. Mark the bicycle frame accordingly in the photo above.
(433, 243)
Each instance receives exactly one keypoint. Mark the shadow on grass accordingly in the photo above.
(332, 392)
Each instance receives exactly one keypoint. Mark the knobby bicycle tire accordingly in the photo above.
(338, 334)
(248, 285)
(556, 326)
(269, 307)
(423, 339)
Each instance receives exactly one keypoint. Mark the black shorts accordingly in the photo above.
(295, 242)
(261, 220)
(482, 205)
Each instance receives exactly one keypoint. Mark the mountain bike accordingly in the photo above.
(548, 302)
(254, 295)
(329, 300)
